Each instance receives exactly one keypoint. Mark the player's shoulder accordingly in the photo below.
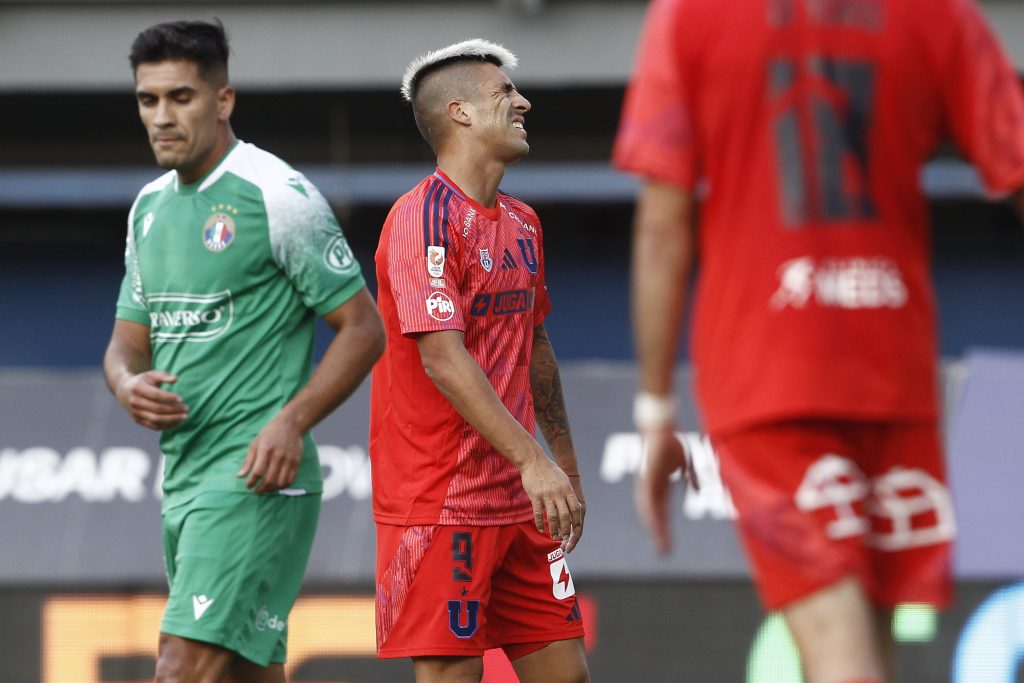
(155, 186)
(430, 200)
(149, 192)
(276, 179)
(518, 205)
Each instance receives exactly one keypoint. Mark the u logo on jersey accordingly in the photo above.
(529, 253)
(219, 229)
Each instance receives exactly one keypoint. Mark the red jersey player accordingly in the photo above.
(462, 491)
(814, 318)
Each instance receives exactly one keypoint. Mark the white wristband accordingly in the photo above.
(651, 411)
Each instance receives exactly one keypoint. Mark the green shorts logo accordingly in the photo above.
(179, 317)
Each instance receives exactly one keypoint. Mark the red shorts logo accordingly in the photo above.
(903, 508)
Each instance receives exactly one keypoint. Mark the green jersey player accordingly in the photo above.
(230, 257)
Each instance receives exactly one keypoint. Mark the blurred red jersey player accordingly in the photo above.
(814, 317)
(462, 491)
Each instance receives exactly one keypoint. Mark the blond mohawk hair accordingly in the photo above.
(476, 48)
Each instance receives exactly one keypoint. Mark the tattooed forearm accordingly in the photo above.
(548, 401)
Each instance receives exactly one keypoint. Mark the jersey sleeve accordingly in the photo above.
(308, 245)
(131, 302)
(424, 264)
(655, 137)
(983, 101)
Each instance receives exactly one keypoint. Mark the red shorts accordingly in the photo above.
(819, 500)
(461, 590)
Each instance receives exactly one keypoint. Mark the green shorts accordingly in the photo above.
(235, 562)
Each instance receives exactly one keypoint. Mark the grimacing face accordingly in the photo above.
(502, 114)
(185, 116)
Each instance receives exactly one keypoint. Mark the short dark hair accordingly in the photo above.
(200, 42)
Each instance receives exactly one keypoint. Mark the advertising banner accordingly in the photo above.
(80, 482)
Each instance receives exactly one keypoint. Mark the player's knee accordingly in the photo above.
(183, 661)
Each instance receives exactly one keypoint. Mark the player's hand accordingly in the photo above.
(554, 501)
(663, 454)
(272, 461)
(148, 404)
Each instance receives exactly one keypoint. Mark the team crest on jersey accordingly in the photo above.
(435, 261)
(219, 229)
(485, 259)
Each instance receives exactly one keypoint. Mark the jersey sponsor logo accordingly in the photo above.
(265, 620)
(467, 222)
(561, 580)
(435, 260)
(517, 218)
(485, 260)
(437, 282)
(440, 307)
(502, 303)
(147, 223)
(219, 229)
(183, 317)
(338, 255)
(850, 283)
(200, 603)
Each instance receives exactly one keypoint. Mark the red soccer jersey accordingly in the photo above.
(447, 263)
(810, 122)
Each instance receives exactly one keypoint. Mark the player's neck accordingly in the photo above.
(211, 160)
(477, 178)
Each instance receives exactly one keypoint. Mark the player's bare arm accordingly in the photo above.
(662, 259)
(127, 368)
(273, 458)
(459, 378)
(549, 406)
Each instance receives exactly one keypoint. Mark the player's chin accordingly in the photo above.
(167, 160)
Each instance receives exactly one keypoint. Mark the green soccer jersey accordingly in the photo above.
(229, 274)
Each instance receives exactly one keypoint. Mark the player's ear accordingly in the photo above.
(225, 102)
(461, 111)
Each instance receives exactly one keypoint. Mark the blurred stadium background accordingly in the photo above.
(81, 578)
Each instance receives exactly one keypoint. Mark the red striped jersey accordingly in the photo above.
(810, 123)
(445, 262)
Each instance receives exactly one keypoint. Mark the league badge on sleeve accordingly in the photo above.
(435, 261)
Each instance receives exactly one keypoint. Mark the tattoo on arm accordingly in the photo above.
(548, 401)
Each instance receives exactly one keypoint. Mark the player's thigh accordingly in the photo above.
(448, 669)
(912, 516)
(562, 661)
(801, 497)
(238, 566)
(434, 589)
(533, 599)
